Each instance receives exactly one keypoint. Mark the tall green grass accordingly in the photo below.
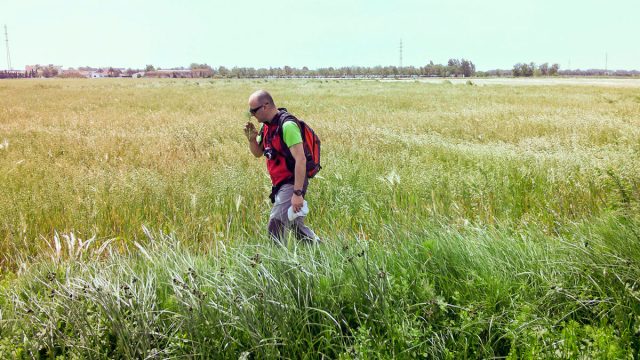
(459, 221)
(442, 292)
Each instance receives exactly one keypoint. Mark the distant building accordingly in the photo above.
(85, 73)
(72, 73)
(202, 73)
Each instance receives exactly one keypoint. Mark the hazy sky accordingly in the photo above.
(313, 33)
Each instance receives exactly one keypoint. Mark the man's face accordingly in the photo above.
(258, 110)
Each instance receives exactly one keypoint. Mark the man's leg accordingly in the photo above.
(278, 220)
(276, 230)
(302, 231)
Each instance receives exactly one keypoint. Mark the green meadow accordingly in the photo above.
(459, 221)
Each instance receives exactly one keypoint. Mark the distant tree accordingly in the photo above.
(517, 70)
(195, 66)
(455, 67)
(49, 71)
(429, 69)
(544, 69)
(467, 67)
(554, 69)
(521, 69)
(251, 72)
(150, 68)
(223, 71)
(530, 69)
(288, 70)
(262, 72)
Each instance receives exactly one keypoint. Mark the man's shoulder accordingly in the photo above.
(290, 125)
(291, 133)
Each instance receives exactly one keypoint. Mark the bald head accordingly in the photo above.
(261, 106)
(261, 97)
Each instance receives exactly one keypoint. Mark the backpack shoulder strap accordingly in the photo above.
(262, 134)
(284, 117)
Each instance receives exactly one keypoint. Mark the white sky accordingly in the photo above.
(313, 33)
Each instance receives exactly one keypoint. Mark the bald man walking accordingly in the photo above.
(289, 183)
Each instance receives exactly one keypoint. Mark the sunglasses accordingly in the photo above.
(255, 110)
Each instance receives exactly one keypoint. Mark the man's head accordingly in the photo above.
(261, 106)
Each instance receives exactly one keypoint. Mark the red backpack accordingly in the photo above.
(310, 142)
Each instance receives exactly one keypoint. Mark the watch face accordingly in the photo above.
(298, 192)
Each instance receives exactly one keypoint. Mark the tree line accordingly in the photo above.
(527, 70)
(453, 68)
(530, 69)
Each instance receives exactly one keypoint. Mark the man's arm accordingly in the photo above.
(256, 149)
(300, 173)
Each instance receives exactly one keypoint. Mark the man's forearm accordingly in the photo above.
(255, 148)
(300, 173)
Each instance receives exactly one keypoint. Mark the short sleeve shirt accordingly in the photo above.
(290, 132)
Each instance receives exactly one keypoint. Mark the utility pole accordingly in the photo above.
(6, 37)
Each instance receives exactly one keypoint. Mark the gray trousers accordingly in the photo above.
(279, 221)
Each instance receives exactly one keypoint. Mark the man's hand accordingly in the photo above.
(250, 131)
(296, 202)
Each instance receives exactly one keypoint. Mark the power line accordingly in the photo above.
(6, 37)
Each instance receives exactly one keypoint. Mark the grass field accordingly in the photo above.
(459, 221)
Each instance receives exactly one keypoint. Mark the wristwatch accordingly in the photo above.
(297, 192)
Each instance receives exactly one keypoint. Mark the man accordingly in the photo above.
(289, 183)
